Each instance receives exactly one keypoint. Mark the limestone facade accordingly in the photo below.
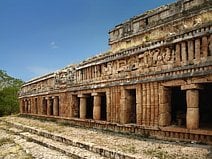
(157, 74)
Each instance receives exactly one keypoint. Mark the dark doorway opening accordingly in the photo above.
(36, 105)
(89, 107)
(205, 106)
(131, 105)
(44, 106)
(51, 102)
(178, 107)
(58, 105)
(23, 106)
(27, 106)
(103, 107)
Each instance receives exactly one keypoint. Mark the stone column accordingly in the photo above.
(123, 104)
(192, 100)
(80, 75)
(44, 106)
(108, 103)
(56, 106)
(197, 50)
(210, 46)
(148, 105)
(177, 54)
(144, 103)
(205, 46)
(29, 106)
(97, 106)
(25, 105)
(74, 112)
(156, 95)
(21, 103)
(183, 52)
(190, 51)
(82, 106)
(152, 104)
(138, 104)
(164, 106)
(95, 71)
(192, 116)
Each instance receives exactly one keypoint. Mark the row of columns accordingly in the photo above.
(52, 107)
(192, 103)
(197, 49)
(96, 105)
(89, 73)
(26, 106)
(49, 106)
(192, 100)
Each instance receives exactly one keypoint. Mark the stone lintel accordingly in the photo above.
(97, 94)
(205, 79)
(174, 83)
(191, 86)
(73, 93)
(82, 96)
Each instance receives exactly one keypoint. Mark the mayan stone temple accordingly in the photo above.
(155, 80)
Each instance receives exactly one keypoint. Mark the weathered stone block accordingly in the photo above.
(192, 118)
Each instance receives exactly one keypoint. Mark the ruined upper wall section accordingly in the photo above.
(154, 24)
(171, 49)
(50, 82)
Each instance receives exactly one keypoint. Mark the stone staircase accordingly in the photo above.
(88, 144)
(74, 149)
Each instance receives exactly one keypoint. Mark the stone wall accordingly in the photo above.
(159, 81)
(160, 23)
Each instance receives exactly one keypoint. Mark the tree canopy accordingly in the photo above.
(9, 88)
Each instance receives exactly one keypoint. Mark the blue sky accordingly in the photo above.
(40, 36)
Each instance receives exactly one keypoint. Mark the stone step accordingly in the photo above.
(19, 147)
(107, 144)
(95, 149)
(74, 152)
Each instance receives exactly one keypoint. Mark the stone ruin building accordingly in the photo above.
(155, 80)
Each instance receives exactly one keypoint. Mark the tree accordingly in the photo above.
(9, 94)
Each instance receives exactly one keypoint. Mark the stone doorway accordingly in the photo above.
(44, 106)
(178, 107)
(89, 107)
(103, 107)
(51, 101)
(205, 106)
(36, 105)
(131, 105)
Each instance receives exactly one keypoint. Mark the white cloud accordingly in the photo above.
(53, 45)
